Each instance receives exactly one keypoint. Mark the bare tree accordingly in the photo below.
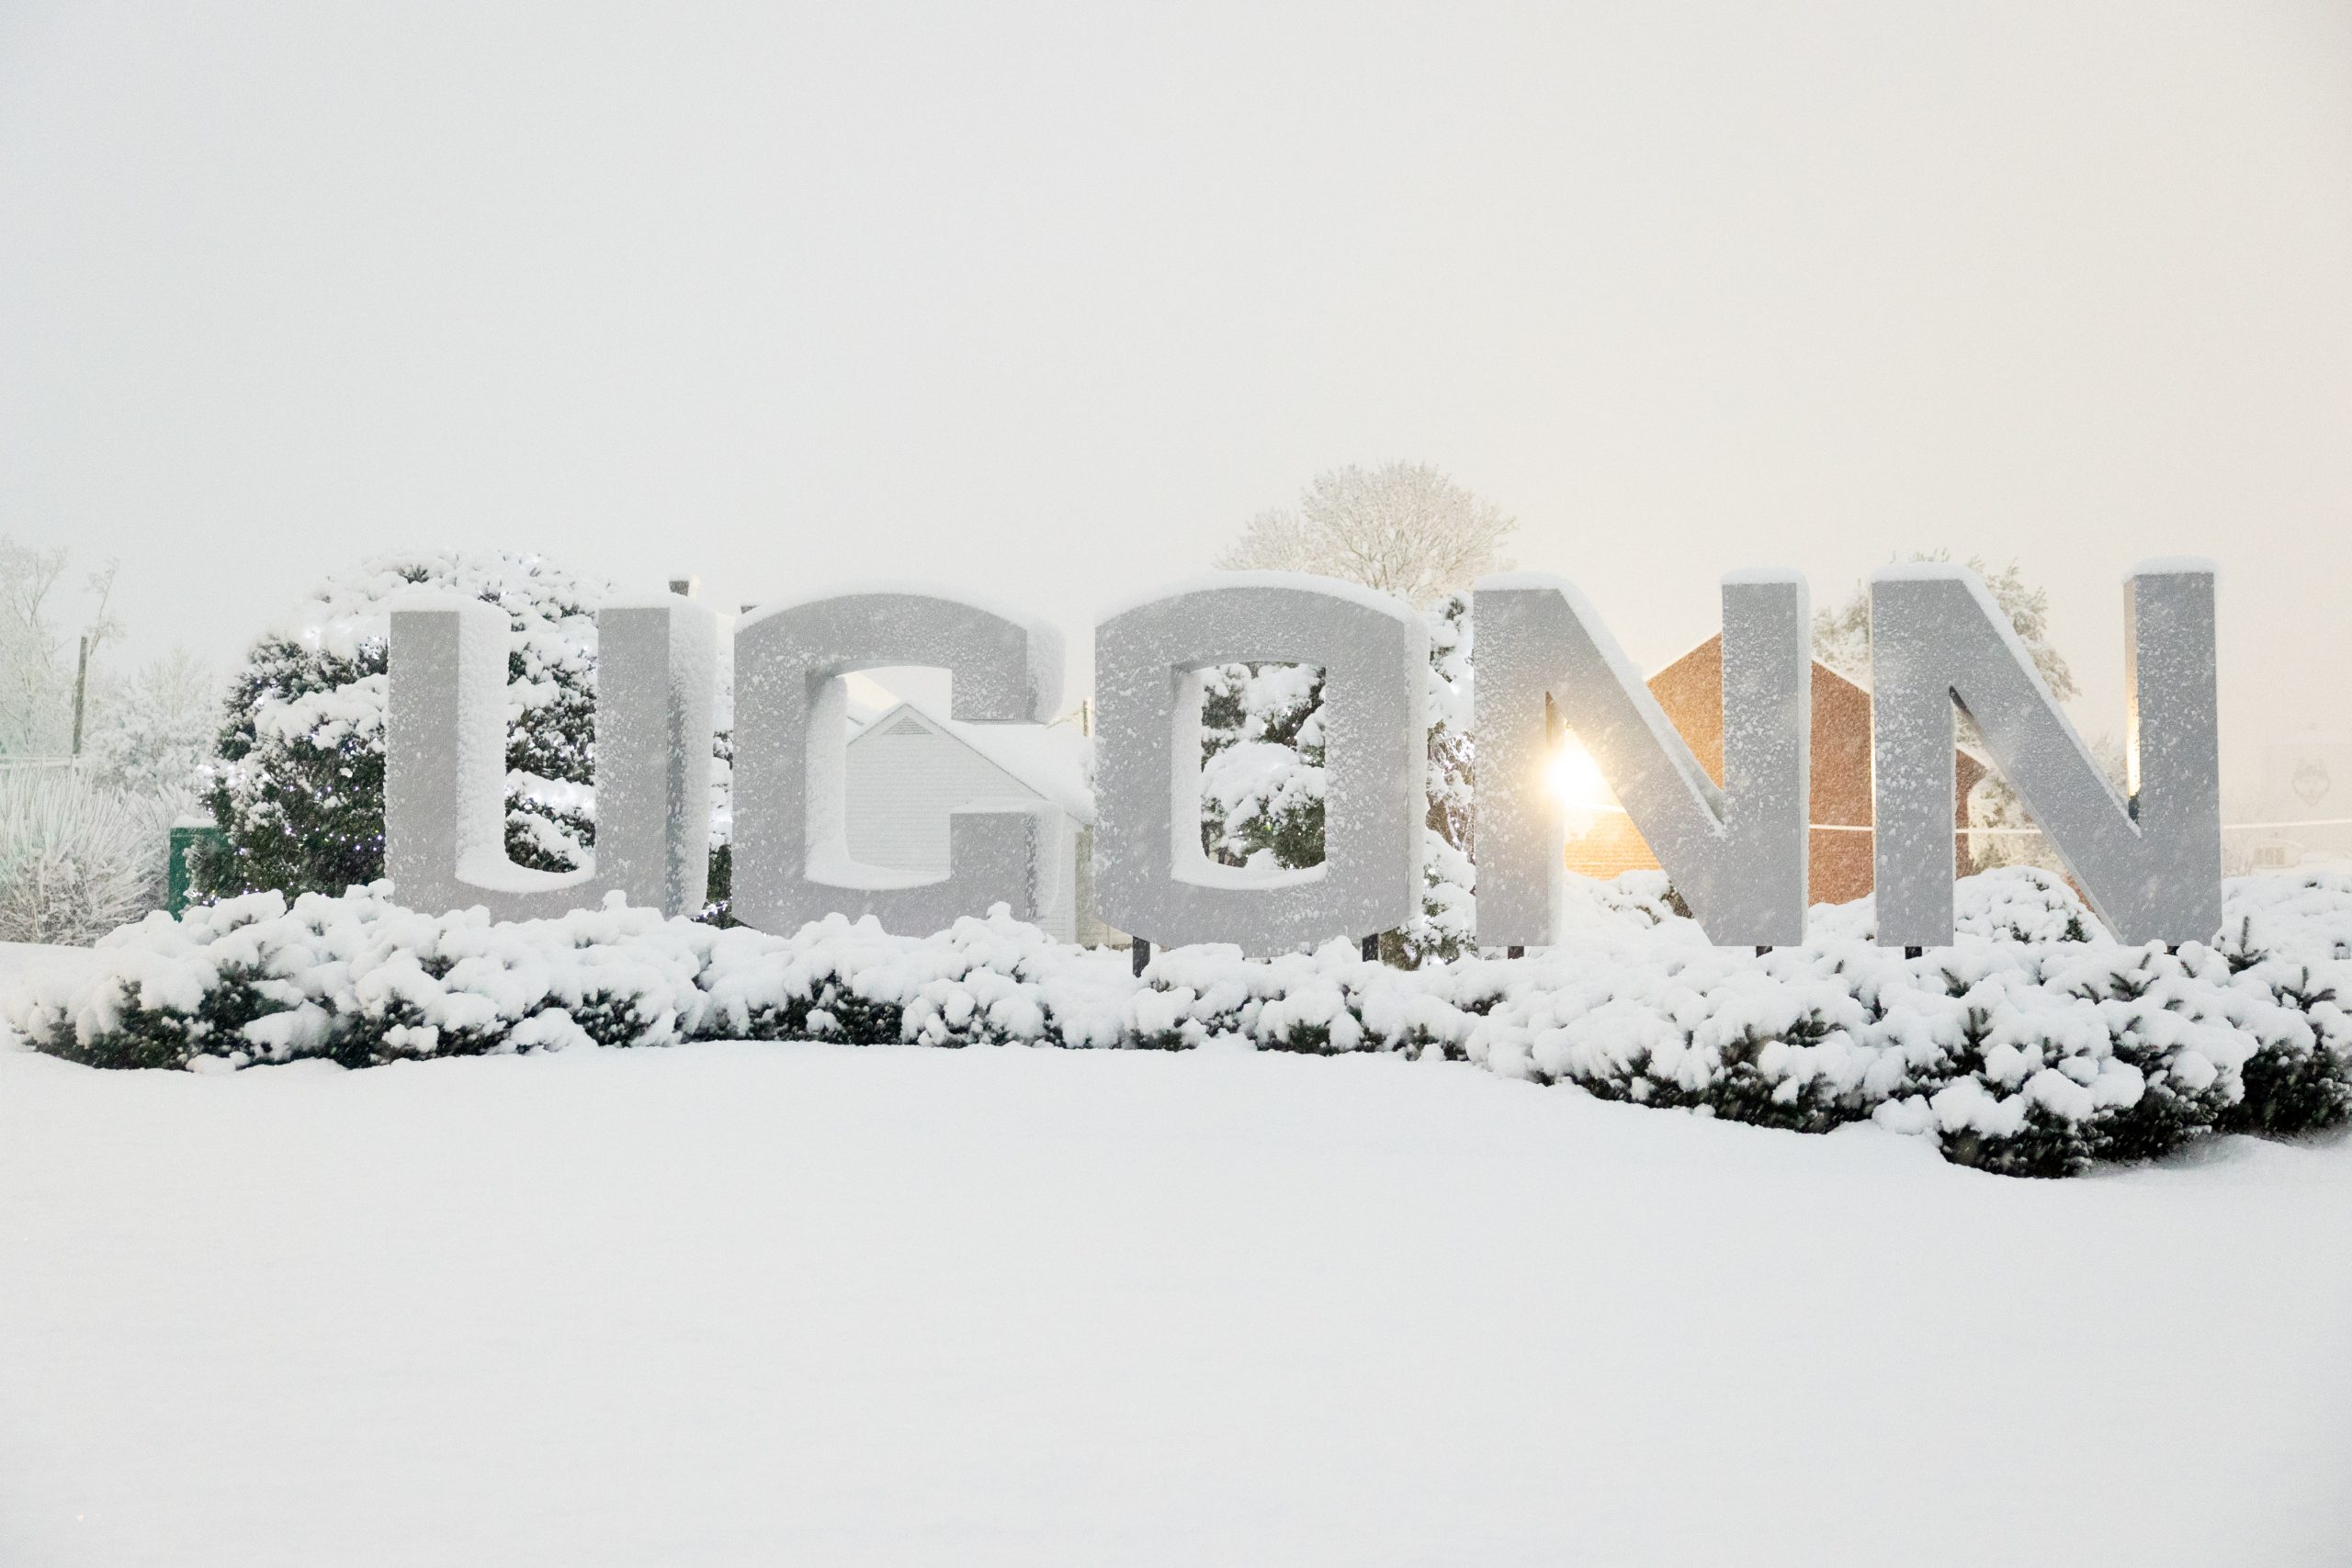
(36, 654)
(32, 697)
(1841, 635)
(1405, 529)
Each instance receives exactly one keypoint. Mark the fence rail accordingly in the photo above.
(2012, 832)
(2036, 833)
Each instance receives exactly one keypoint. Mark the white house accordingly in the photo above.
(909, 767)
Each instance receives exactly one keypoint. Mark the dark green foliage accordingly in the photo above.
(2168, 1114)
(1743, 1093)
(314, 820)
(1740, 1091)
(166, 1037)
(719, 896)
(1295, 836)
(2291, 1087)
(2047, 1145)
(1294, 832)
(857, 1020)
(2291, 1090)
(1304, 1038)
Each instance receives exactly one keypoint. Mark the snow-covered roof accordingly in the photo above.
(1049, 759)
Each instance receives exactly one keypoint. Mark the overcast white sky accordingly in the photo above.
(1046, 301)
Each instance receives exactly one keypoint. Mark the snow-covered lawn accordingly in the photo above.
(804, 1304)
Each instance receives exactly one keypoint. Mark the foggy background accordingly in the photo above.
(1044, 302)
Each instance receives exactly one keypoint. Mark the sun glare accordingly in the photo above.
(1575, 781)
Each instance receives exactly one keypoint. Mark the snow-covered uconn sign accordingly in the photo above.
(2150, 862)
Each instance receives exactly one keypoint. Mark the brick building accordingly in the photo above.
(1691, 690)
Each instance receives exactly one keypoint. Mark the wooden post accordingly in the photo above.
(81, 685)
(1140, 954)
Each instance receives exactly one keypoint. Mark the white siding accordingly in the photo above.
(904, 779)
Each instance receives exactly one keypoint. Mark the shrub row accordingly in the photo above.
(2031, 1047)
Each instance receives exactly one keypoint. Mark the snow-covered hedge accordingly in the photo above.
(2034, 1045)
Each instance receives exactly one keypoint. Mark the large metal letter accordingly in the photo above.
(792, 859)
(1151, 875)
(1736, 854)
(445, 761)
(2151, 864)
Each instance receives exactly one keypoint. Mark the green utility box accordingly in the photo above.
(183, 842)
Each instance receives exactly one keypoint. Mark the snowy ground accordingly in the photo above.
(816, 1304)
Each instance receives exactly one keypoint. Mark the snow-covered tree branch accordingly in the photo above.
(1403, 528)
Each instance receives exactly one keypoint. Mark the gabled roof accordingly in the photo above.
(1861, 682)
(1048, 759)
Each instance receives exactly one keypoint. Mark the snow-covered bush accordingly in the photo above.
(2012, 903)
(76, 860)
(298, 787)
(1447, 925)
(1262, 779)
(1262, 764)
(2034, 1054)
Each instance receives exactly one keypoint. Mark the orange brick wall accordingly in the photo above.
(1691, 690)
